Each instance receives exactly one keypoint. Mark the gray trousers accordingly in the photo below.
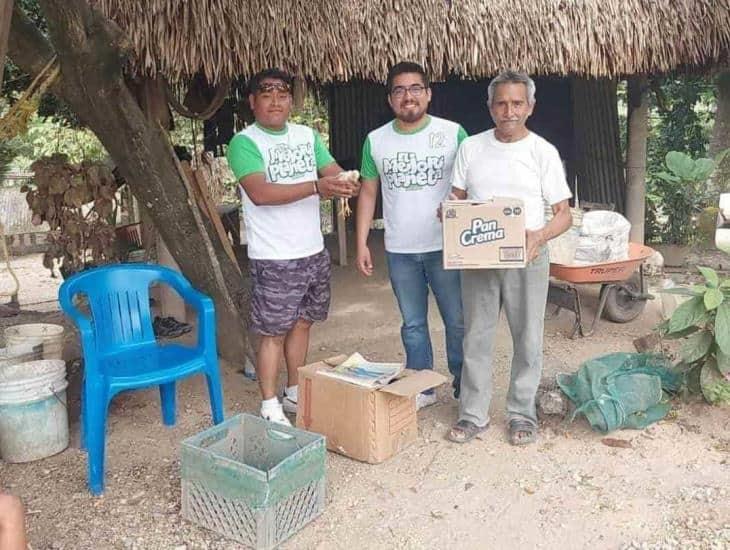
(523, 295)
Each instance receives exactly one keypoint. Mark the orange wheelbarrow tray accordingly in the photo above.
(623, 293)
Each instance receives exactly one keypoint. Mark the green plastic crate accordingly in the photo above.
(253, 481)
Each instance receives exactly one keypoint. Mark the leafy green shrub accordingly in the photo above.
(703, 322)
(681, 192)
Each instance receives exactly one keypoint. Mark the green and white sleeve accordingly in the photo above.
(244, 157)
(322, 156)
(368, 170)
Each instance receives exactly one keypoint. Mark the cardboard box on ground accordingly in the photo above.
(366, 424)
(484, 234)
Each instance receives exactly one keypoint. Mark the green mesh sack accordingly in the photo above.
(621, 390)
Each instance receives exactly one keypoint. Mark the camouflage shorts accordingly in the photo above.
(285, 291)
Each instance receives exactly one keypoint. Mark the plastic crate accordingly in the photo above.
(253, 481)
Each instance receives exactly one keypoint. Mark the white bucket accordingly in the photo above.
(33, 415)
(51, 335)
(30, 351)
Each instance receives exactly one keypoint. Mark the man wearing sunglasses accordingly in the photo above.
(411, 158)
(283, 170)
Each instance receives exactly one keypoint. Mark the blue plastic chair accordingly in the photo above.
(121, 353)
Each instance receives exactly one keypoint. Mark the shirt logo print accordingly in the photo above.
(287, 162)
(409, 172)
(437, 140)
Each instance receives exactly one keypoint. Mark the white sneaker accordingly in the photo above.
(289, 405)
(275, 415)
(425, 400)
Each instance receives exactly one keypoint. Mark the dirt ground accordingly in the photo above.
(668, 489)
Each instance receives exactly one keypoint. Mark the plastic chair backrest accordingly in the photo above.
(118, 297)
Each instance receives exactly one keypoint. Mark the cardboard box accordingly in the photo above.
(365, 424)
(484, 234)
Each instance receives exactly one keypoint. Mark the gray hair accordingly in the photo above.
(513, 77)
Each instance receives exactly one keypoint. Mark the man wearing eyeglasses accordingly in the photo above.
(411, 158)
(283, 169)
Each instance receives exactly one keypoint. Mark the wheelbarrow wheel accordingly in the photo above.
(621, 307)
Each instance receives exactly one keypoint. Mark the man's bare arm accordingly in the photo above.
(561, 222)
(263, 193)
(460, 194)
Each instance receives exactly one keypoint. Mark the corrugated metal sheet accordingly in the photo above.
(599, 164)
(355, 108)
(360, 106)
(579, 117)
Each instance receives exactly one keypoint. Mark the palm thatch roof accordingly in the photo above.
(343, 39)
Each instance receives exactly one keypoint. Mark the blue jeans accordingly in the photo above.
(411, 275)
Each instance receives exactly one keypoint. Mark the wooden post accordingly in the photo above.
(6, 14)
(171, 304)
(341, 232)
(207, 207)
(638, 130)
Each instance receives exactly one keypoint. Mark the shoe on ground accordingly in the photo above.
(425, 400)
(288, 405)
(275, 415)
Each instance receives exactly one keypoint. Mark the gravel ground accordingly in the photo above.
(664, 487)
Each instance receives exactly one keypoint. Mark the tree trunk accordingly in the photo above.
(6, 11)
(721, 131)
(90, 49)
(638, 130)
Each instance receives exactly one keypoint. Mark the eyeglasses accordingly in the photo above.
(268, 87)
(416, 90)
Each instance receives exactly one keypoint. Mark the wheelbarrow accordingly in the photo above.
(623, 293)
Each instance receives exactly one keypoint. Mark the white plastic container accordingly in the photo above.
(50, 335)
(33, 414)
(30, 351)
(722, 235)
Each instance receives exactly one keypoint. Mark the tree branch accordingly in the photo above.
(73, 23)
(6, 14)
(27, 47)
(92, 84)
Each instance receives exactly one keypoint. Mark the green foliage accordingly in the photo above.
(680, 120)
(690, 313)
(714, 384)
(46, 137)
(186, 133)
(679, 195)
(723, 362)
(722, 326)
(15, 80)
(683, 114)
(314, 114)
(683, 167)
(703, 322)
(7, 153)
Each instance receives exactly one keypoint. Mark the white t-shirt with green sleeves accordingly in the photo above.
(414, 169)
(292, 155)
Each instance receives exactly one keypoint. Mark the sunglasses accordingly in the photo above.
(269, 87)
